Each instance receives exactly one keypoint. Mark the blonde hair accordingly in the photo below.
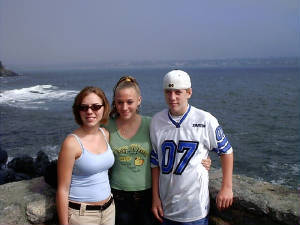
(124, 82)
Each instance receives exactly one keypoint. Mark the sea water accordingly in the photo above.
(258, 109)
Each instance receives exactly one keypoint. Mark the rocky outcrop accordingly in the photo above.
(23, 167)
(256, 202)
(27, 202)
(5, 73)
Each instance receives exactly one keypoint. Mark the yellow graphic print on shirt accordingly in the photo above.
(132, 156)
(138, 161)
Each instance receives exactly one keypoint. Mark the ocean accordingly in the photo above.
(258, 108)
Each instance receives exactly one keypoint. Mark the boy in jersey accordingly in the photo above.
(181, 137)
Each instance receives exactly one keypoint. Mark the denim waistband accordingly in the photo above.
(132, 195)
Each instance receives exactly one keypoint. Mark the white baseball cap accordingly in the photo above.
(177, 79)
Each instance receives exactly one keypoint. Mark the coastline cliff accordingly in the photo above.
(6, 73)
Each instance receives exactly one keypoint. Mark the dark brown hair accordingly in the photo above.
(124, 82)
(82, 94)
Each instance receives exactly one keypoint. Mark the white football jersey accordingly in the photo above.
(178, 149)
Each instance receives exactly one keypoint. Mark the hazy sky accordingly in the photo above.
(62, 31)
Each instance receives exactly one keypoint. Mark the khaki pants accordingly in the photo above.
(92, 217)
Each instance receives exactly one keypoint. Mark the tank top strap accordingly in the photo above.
(104, 135)
(78, 140)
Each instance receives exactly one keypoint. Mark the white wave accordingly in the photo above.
(279, 181)
(35, 96)
(295, 169)
(52, 151)
(288, 168)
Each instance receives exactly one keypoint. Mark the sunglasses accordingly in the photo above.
(94, 107)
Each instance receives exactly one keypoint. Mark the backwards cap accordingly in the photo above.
(177, 79)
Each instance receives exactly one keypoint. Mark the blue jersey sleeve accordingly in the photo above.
(219, 141)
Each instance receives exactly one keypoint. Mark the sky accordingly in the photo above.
(76, 31)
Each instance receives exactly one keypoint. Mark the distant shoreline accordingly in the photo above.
(283, 62)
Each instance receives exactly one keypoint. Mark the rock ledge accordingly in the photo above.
(256, 202)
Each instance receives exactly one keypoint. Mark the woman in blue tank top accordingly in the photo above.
(83, 191)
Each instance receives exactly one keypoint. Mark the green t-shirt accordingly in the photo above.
(131, 170)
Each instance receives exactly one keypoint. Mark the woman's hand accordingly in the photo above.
(206, 163)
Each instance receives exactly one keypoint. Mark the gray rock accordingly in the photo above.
(40, 211)
(41, 163)
(22, 164)
(25, 201)
(12, 214)
(3, 157)
(255, 203)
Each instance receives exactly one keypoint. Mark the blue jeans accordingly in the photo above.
(133, 207)
(203, 221)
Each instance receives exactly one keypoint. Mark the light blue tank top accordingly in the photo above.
(90, 182)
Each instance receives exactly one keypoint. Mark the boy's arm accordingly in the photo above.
(156, 202)
(225, 196)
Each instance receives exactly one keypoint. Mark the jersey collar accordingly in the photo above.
(177, 125)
